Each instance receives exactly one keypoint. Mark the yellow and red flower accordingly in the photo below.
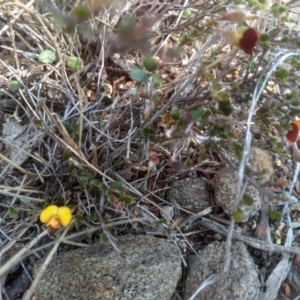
(292, 137)
(55, 217)
(245, 38)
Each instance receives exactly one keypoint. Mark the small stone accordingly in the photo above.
(17, 137)
(225, 186)
(225, 183)
(189, 192)
(167, 212)
(240, 283)
(147, 268)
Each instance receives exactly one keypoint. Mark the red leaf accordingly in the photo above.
(249, 40)
(292, 135)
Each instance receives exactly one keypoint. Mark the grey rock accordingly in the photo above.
(18, 139)
(225, 186)
(189, 192)
(260, 163)
(241, 282)
(225, 182)
(148, 268)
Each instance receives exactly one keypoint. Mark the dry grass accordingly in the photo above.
(97, 123)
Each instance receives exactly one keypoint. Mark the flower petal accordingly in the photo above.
(47, 213)
(249, 40)
(65, 215)
(235, 36)
(54, 223)
(297, 122)
(292, 135)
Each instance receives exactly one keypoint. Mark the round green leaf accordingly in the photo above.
(137, 75)
(103, 239)
(281, 73)
(150, 63)
(225, 107)
(12, 213)
(248, 200)
(81, 12)
(74, 63)
(125, 198)
(47, 57)
(14, 85)
(264, 37)
(238, 217)
(156, 81)
(187, 13)
(274, 214)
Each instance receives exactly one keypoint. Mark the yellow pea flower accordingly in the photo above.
(55, 216)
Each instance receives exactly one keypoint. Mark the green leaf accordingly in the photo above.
(47, 57)
(281, 73)
(238, 217)
(67, 124)
(274, 214)
(248, 200)
(78, 221)
(12, 213)
(74, 63)
(175, 113)
(126, 199)
(187, 13)
(137, 75)
(117, 185)
(80, 12)
(92, 217)
(156, 81)
(96, 183)
(66, 155)
(238, 148)
(84, 178)
(225, 107)
(149, 133)
(234, 85)
(71, 167)
(150, 63)
(252, 66)
(79, 217)
(107, 101)
(282, 9)
(126, 27)
(84, 173)
(185, 39)
(103, 238)
(264, 37)
(216, 86)
(197, 114)
(14, 85)
(223, 96)
(275, 9)
(263, 111)
(109, 195)
(294, 111)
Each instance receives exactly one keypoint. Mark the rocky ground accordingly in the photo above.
(148, 122)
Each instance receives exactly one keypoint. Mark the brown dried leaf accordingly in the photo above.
(235, 16)
(286, 289)
(176, 223)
